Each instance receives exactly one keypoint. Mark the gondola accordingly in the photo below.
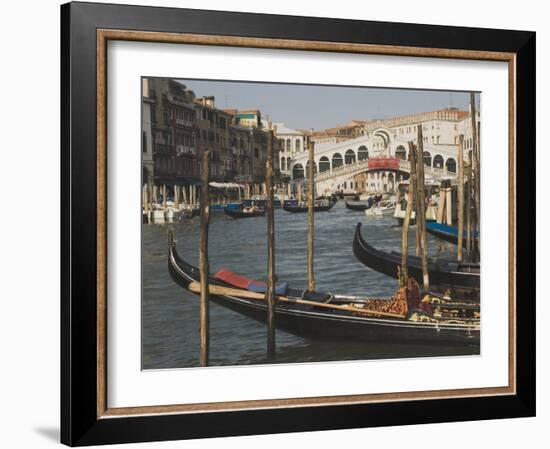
(243, 212)
(299, 207)
(360, 205)
(447, 233)
(446, 274)
(317, 319)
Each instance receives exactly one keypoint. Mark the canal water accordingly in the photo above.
(170, 315)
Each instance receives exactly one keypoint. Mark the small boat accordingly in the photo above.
(447, 233)
(244, 212)
(431, 191)
(258, 202)
(184, 214)
(359, 205)
(443, 273)
(385, 207)
(295, 206)
(325, 315)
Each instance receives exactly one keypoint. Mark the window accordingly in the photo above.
(144, 142)
(324, 164)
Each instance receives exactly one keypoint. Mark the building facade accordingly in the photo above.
(148, 172)
(292, 143)
(177, 127)
(339, 164)
(173, 131)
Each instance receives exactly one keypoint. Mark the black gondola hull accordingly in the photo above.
(236, 213)
(388, 263)
(357, 206)
(313, 322)
(299, 209)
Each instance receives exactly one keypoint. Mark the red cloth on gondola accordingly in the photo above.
(233, 279)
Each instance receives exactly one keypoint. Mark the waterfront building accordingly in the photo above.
(177, 127)
(250, 118)
(213, 133)
(292, 143)
(339, 133)
(173, 133)
(342, 165)
(147, 164)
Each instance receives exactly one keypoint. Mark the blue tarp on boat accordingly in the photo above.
(445, 229)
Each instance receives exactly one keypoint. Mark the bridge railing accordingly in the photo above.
(342, 170)
(404, 166)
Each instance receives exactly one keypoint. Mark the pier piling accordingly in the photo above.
(469, 209)
(412, 198)
(270, 293)
(203, 260)
(310, 218)
(475, 148)
(460, 196)
(421, 207)
(403, 275)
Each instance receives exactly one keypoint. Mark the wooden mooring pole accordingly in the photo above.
(421, 207)
(203, 259)
(310, 217)
(404, 274)
(460, 192)
(477, 173)
(270, 293)
(411, 198)
(146, 198)
(469, 209)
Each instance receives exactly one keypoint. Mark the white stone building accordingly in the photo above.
(292, 143)
(340, 163)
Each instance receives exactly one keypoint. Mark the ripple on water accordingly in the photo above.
(170, 315)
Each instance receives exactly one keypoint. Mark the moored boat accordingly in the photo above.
(359, 205)
(448, 233)
(324, 315)
(295, 206)
(443, 273)
(244, 212)
(431, 191)
(384, 207)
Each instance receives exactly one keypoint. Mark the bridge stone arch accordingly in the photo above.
(401, 152)
(427, 158)
(324, 164)
(450, 165)
(362, 153)
(337, 160)
(349, 157)
(384, 134)
(438, 161)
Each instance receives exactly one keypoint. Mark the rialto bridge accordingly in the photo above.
(380, 157)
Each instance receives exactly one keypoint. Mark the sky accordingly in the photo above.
(320, 107)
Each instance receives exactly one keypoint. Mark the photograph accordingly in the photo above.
(296, 223)
(276, 223)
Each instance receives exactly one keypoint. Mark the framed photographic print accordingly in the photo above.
(277, 224)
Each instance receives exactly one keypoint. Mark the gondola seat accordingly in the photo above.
(236, 280)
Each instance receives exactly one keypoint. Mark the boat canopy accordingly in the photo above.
(226, 185)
